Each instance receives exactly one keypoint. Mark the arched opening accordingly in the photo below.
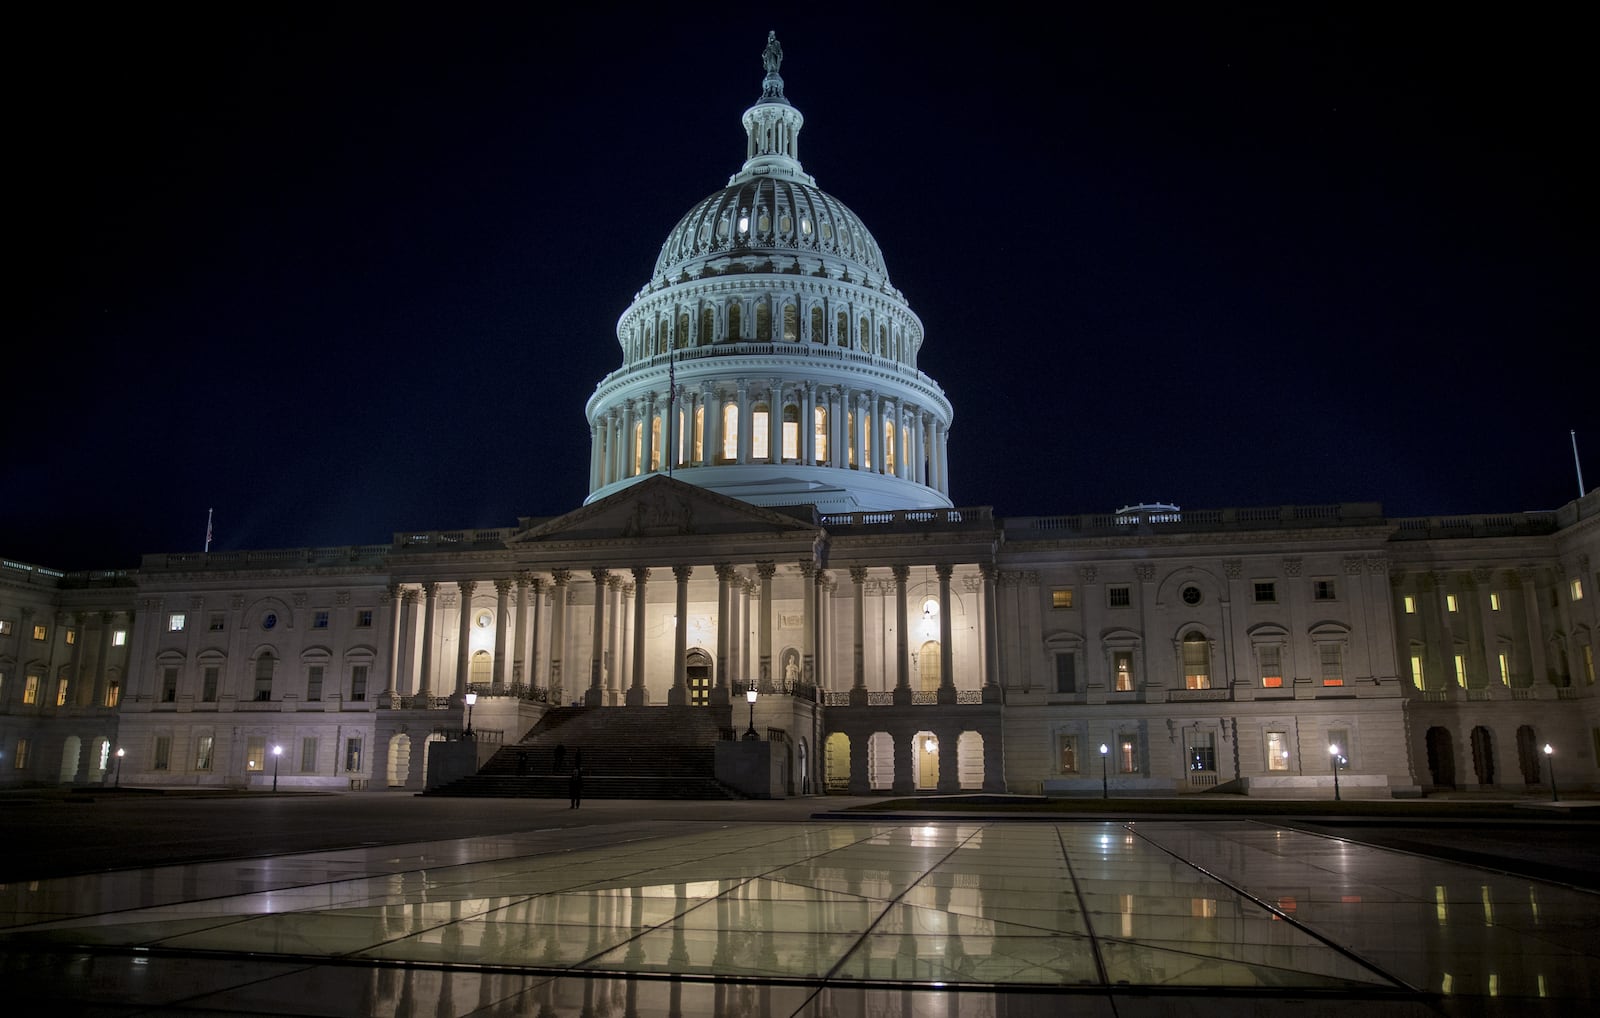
(69, 759)
(1196, 661)
(735, 320)
(843, 329)
(969, 760)
(681, 340)
(708, 326)
(760, 438)
(836, 763)
(480, 673)
(655, 442)
(880, 762)
(699, 434)
(99, 758)
(1441, 757)
(730, 432)
(399, 767)
(264, 668)
(928, 666)
(791, 323)
(818, 334)
(926, 751)
(791, 433)
(1483, 755)
(697, 663)
(763, 323)
(427, 748)
(1528, 754)
(888, 447)
(821, 439)
(864, 337)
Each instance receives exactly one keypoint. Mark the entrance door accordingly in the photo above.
(698, 667)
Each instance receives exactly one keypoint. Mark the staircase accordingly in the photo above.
(626, 753)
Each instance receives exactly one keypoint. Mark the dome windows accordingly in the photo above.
(764, 223)
(785, 224)
(744, 225)
(827, 231)
(805, 227)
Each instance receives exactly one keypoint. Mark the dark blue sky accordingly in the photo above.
(343, 272)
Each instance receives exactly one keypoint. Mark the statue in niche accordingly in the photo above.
(772, 56)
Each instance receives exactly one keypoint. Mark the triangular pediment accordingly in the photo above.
(660, 507)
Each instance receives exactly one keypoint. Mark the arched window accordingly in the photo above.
(850, 438)
(888, 448)
(791, 323)
(817, 333)
(883, 341)
(735, 316)
(763, 322)
(637, 456)
(264, 668)
(681, 340)
(708, 326)
(655, 442)
(760, 440)
(1196, 662)
(699, 434)
(843, 329)
(479, 673)
(791, 432)
(1528, 754)
(928, 666)
(730, 431)
(821, 414)
(864, 337)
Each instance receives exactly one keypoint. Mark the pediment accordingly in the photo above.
(658, 507)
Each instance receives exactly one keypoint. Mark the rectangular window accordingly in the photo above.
(1202, 750)
(1461, 670)
(819, 439)
(1494, 602)
(1127, 754)
(119, 638)
(5, 627)
(1122, 670)
(175, 622)
(1061, 597)
(169, 685)
(1577, 590)
(20, 760)
(208, 686)
(1068, 746)
(41, 633)
(1271, 657)
(1588, 664)
(264, 668)
(61, 693)
(255, 753)
(1410, 603)
(72, 637)
(1417, 678)
(358, 683)
(791, 438)
(113, 694)
(319, 620)
(1277, 751)
(314, 682)
(217, 623)
(1451, 604)
(1196, 664)
(30, 689)
(1331, 656)
(1119, 596)
(1266, 592)
(352, 754)
(204, 747)
(364, 618)
(308, 756)
(758, 434)
(1505, 668)
(1322, 590)
(1066, 674)
(163, 755)
(1341, 737)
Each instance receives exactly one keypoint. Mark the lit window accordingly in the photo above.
(759, 419)
(20, 759)
(1061, 597)
(1341, 737)
(352, 754)
(319, 620)
(1577, 590)
(1196, 662)
(41, 632)
(30, 689)
(1494, 602)
(1119, 597)
(1266, 592)
(791, 433)
(113, 694)
(5, 627)
(119, 638)
(1461, 670)
(1505, 669)
(255, 753)
(1271, 657)
(1410, 604)
(1122, 665)
(72, 637)
(1417, 678)
(1322, 590)
(821, 439)
(1127, 754)
(730, 432)
(204, 748)
(485, 620)
(1331, 656)
(175, 622)
(1069, 753)
(61, 693)
(1202, 750)
(1277, 751)
(364, 618)
(1450, 603)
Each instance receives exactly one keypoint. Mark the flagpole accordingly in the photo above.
(672, 397)
(208, 530)
(1575, 461)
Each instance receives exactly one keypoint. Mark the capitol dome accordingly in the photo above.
(769, 357)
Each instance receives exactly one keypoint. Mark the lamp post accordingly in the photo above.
(750, 698)
(1333, 761)
(472, 698)
(1550, 758)
(1105, 789)
(277, 752)
(117, 778)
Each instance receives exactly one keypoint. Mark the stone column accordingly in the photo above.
(808, 617)
(947, 671)
(725, 575)
(406, 673)
(919, 468)
(596, 433)
(808, 423)
(765, 570)
(592, 697)
(627, 440)
(502, 626)
(678, 695)
(558, 632)
(614, 666)
(875, 410)
(902, 646)
(991, 634)
(101, 677)
(713, 403)
(430, 600)
(463, 640)
(821, 607)
(638, 695)
(858, 685)
(744, 420)
(520, 666)
(647, 435)
(531, 641)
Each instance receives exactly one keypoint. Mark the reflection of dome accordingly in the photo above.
(769, 357)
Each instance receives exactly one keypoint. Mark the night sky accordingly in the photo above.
(340, 272)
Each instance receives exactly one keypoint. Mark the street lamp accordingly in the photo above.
(277, 752)
(472, 698)
(750, 698)
(1105, 792)
(1333, 761)
(1550, 758)
(117, 778)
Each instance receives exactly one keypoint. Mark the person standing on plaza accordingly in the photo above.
(575, 786)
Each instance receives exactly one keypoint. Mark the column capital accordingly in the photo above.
(858, 574)
(944, 570)
(808, 568)
(502, 585)
(640, 574)
(614, 581)
(901, 574)
(525, 578)
(430, 590)
(682, 573)
(600, 574)
(467, 587)
(726, 572)
(560, 576)
(766, 570)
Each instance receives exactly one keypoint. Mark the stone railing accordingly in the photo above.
(1423, 528)
(912, 519)
(885, 697)
(1269, 517)
(372, 555)
(1198, 695)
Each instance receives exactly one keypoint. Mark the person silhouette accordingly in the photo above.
(575, 787)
